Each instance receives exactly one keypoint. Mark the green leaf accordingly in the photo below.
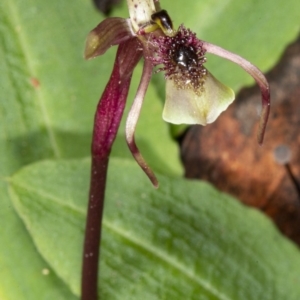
(182, 241)
(24, 274)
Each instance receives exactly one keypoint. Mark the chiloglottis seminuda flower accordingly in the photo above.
(193, 94)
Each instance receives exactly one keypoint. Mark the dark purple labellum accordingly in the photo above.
(185, 57)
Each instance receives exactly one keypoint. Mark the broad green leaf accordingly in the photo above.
(182, 241)
(27, 134)
(24, 274)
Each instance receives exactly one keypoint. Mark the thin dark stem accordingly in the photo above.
(107, 120)
(293, 178)
(93, 229)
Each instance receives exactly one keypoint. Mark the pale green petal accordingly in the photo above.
(183, 106)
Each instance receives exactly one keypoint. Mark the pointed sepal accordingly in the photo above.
(110, 32)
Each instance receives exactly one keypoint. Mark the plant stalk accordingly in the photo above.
(107, 120)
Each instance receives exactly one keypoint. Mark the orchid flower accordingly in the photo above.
(193, 96)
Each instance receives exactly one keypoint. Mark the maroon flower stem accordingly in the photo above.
(258, 77)
(107, 120)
